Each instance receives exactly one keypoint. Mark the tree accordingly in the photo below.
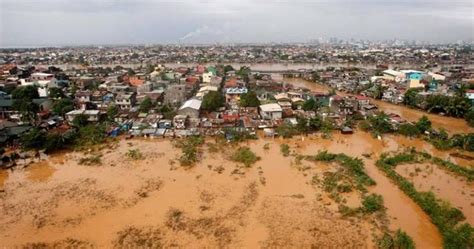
(56, 93)
(411, 97)
(249, 100)
(380, 123)
(469, 117)
(212, 101)
(112, 112)
(63, 106)
(80, 121)
(409, 130)
(310, 105)
(25, 92)
(423, 124)
(228, 68)
(146, 105)
(33, 139)
(23, 102)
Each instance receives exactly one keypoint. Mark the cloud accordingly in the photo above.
(74, 22)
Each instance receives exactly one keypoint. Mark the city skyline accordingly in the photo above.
(109, 22)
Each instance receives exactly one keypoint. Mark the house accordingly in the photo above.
(175, 94)
(232, 95)
(190, 108)
(271, 111)
(393, 75)
(205, 90)
(125, 101)
(92, 115)
(470, 95)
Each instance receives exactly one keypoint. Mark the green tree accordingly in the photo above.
(23, 102)
(212, 101)
(310, 105)
(409, 130)
(380, 123)
(25, 92)
(80, 121)
(56, 93)
(112, 112)
(423, 124)
(33, 139)
(411, 97)
(63, 106)
(469, 117)
(249, 100)
(145, 105)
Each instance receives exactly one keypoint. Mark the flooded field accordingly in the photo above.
(451, 125)
(457, 191)
(123, 202)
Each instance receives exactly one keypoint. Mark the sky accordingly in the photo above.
(96, 22)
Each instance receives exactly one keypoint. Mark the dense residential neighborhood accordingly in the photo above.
(160, 101)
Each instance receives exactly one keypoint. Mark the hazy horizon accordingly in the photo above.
(30, 23)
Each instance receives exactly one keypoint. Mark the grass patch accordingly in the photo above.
(244, 155)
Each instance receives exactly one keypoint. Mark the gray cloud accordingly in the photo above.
(72, 22)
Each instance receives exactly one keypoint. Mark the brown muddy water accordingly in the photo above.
(451, 125)
(217, 203)
(457, 191)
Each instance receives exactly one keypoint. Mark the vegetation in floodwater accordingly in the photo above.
(266, 146)
(190, 150)
(447, 218)
(355, 167)
(134, 154)
(372, 203)
(285, 150)
(244, 155)
(400, 240)
(91, 160)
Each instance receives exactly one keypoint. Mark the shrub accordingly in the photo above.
(245, 155)
(372, 203)
(285, 150)
(91, 160)
(409, 130)
(134, 154)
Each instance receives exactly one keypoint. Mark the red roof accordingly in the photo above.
(361, 97)
(231, 83)
(470, 91)
(134, 81)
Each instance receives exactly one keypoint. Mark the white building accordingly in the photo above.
(190, 108)
(271, 111)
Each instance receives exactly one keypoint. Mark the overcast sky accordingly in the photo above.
(83, 22)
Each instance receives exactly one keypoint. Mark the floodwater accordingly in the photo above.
(451, 125)
(217, 203)
(428, 177)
